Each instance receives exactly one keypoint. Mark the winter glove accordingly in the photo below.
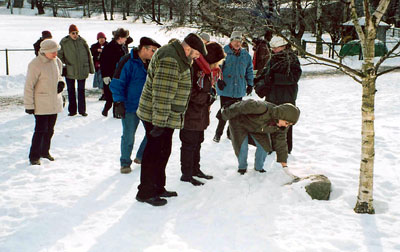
(119, 110)
(60, 87)
(106, 80)
(29, 111)
(221, 84)
(249, 89)
(213, 96)
(156, 131)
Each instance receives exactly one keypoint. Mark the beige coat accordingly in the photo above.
(41, 83)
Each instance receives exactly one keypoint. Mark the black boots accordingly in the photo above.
(200, 174)
(48, 156)
(154, 201)
(194, 182)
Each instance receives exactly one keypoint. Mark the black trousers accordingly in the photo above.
(44, 130)
(289, 138)
(221, 123)
(108, 97)
(72, 96)
(155, 159)
(190, 151)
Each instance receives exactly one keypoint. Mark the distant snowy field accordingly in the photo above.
(81, 202)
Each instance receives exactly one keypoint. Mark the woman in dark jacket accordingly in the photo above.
(197, 116)
(109, 58)
(96, 50)
(278, 80)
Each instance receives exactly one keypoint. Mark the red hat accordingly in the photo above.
(73, 28)
(101, 35)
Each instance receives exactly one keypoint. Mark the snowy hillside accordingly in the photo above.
(81, 202)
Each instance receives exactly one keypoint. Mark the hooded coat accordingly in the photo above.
(40, 91)
(259, 119)
(76, 55)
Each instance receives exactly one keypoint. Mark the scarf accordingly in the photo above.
(235, 52)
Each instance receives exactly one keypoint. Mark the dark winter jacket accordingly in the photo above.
(36, 46)
(76, 55)
(109, 58)
(261, 55)
(96, 54)
(278, 80)
(259, 119)
(197, 116)
(128, 87)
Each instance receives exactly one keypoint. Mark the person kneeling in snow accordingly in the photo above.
(262, 124)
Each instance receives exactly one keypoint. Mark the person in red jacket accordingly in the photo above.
(206, 72)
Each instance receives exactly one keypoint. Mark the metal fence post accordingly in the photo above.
(7, 72)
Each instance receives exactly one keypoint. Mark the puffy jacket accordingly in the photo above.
(278, 80)
(259, 119)
(237, 73)
(167, 88)
(40, 91)
(128, 87)
(75, 54)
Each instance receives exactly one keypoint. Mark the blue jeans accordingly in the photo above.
(129, 126)
(261, 154)
(72, 96)
(98, 80)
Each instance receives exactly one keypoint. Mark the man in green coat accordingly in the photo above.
(162, 107)
(77, 58)
(262, 123)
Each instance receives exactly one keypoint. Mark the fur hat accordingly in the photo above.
(46, 35)
(120, 33)
(195, 42)
(73, 28)
(49, 46)
(277, 41)
(145, 41)
(101, 35)
(236, 35)
(215, 53)
(205, 36)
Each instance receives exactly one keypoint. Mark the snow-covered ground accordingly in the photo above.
(81, 202)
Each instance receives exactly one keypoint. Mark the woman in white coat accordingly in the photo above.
(43, 99)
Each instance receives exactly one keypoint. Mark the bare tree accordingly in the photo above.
(366, 76)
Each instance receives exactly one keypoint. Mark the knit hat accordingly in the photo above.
(101, 35)
(195, 42)
(205, 36)
(215, 53)
(73, 28)
(46, 35)
(277, 41)
(287, 112)
(145, 41)
(236, 35)
(49, 46)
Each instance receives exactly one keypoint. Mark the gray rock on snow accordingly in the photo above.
(319, 187)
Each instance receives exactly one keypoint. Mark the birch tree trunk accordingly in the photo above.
(367, 36)
(318, 28)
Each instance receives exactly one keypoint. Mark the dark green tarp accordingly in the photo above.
(353, 47)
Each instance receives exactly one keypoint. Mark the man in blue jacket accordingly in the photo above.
(237, 71)
(126, 88)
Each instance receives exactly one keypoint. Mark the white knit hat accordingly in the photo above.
(49, 46)
(236, 35)
(277, 41)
